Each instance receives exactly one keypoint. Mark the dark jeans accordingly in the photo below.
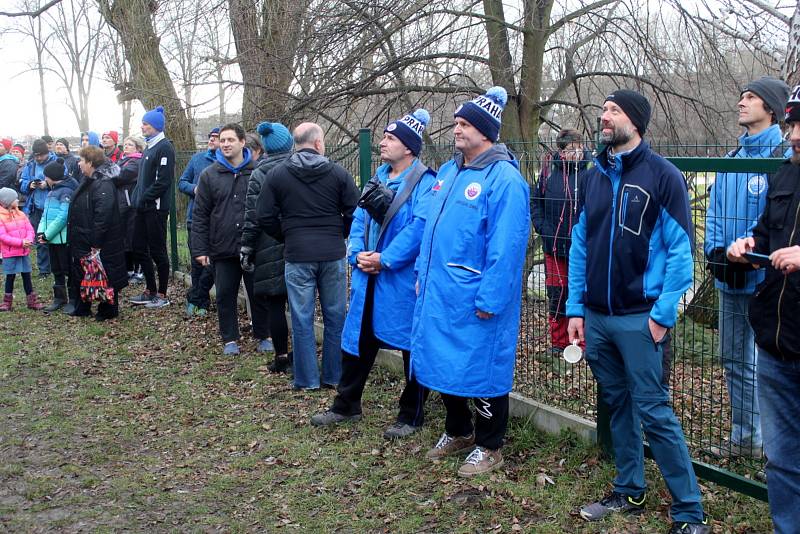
(356, 369)
(277, 323)
(228, 273)
(42, 253)
(202, 279)
(60, 260)
(150, 245)
(491, 419)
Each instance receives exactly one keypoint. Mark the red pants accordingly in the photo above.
(556, 285)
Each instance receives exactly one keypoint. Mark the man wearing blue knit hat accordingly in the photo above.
(383, 244)
(469, 280)
(151, 199)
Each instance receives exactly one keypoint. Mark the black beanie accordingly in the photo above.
(63, 141)
(55, 170)
(635, 106)
(772, 91)
(40, 147)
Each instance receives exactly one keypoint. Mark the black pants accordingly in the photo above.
(355, 370)
(60, 260)
(277, 323)
(150, 245)
(42, 252)
(228, 273)
(491, 419)
(27, 283)
(202, 278)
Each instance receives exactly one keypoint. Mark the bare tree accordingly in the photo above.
(266, 34)
(118, 72)
(150, 82)
(31, 27)
(78, 31)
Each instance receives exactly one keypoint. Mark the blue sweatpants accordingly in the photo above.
(627, 364)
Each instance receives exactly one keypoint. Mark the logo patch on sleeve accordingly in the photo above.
(757, 184)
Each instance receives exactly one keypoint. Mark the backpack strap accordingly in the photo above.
(411, 181)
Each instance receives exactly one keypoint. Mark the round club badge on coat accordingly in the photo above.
(757, 184)
(472, 191)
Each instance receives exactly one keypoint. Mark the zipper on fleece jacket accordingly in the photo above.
(613, 225)
(783, 287)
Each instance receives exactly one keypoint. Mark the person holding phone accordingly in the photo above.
(776, 326)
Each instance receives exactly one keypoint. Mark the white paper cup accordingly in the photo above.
(573, 353)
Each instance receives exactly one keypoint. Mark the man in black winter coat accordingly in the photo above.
(776, 326)
(151, 199)
(8, 165)
(308, 202)
(217, 222)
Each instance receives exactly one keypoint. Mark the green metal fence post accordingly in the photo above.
(364, 156)
(173, 228)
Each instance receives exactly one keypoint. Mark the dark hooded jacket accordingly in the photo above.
(555, 207)
(9, 165)
(94, 222)
(267, 252)
(308, 203)
(218, 215)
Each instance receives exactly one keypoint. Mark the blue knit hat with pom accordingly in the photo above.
(275, 137)
(155, 118)
(409, 129)
(485, 112)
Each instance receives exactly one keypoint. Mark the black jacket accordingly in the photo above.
(8, 173)
(555, 208)
(268, 278)
(218, 214)
(94, 222)
(156, 174)
(774, 305)
(126, 181)
(308, 202)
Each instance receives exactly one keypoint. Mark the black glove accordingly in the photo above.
(731, 273)
(246, 259)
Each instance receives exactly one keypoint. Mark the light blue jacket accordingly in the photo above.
(394, 295)
(737, 201)
(191, 175)
(471, 259)
(53, 223)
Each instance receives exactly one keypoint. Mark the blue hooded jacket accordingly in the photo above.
(191, 175)
(632, 247)
(471, 258)
(737, 201)
(35, 171)
(394, 295)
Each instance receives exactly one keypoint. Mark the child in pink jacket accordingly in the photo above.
(16, 240)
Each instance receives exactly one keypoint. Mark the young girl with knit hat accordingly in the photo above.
(16, 240)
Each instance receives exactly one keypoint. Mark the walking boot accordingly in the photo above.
(33, 301)
(59, 299)
(8, 301)
(72, 301)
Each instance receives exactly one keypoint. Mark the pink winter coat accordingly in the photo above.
(14, 229)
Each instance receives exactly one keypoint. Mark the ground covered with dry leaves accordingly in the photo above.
(140, 424)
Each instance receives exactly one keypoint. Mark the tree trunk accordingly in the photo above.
(791, 67)
(266, 35)
(501, 66)
(150, 82)
(40, 68)
(126, 119)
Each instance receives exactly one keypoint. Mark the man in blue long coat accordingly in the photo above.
(469, 275)
(382, 248)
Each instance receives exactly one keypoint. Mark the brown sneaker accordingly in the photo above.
(448, 445)
(480, 461)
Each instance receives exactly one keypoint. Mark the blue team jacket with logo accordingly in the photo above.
(394, 293)
(632, 247)
(737, 201)
(471, 258)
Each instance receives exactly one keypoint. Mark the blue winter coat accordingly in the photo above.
(191, 175)
(53, 223)
(471, 258)
(394, 295)
(30, 172)
(632, 247)
(737, 201)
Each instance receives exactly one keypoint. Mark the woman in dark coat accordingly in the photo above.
(264, 252)
(554, 211)
(94, 223)
(132, 149)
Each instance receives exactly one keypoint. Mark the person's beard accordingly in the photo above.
(619, 136)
